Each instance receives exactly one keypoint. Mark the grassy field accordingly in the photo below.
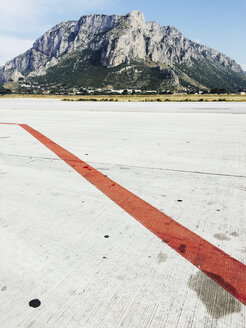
(138, 98)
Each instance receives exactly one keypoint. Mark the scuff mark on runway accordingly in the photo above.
(218, 302)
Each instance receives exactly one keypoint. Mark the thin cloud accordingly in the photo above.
(21, 16)
(16, 16)
(21, 20)
(11, 47)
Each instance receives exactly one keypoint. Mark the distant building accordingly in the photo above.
(150, 91)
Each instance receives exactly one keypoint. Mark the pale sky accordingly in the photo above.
(219, 24)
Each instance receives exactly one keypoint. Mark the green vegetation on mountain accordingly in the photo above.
(83, 70)
(4, 90)
(212, 76)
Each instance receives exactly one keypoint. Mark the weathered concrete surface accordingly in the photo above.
(53, 222)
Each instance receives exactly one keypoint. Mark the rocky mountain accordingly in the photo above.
(122, 51)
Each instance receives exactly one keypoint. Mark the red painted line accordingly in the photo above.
(216, 264)
(9, 123)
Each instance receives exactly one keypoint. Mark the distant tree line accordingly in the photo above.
(219, 91)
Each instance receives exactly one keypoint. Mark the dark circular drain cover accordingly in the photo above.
(35, 303)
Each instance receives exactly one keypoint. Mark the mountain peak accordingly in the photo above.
(136, 14)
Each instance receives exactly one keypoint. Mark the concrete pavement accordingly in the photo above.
(53, 222)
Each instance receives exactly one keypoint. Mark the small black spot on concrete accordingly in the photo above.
(187, 142)
(34, 303)
(106, 236)
(179, 200)
(218, 210)
(104, 257)
(86, 154)
(218, 301)
(182, 248)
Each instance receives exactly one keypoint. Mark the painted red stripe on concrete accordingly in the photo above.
(219, 266)
(9, 123)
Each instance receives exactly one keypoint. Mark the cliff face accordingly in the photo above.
(119, 39)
